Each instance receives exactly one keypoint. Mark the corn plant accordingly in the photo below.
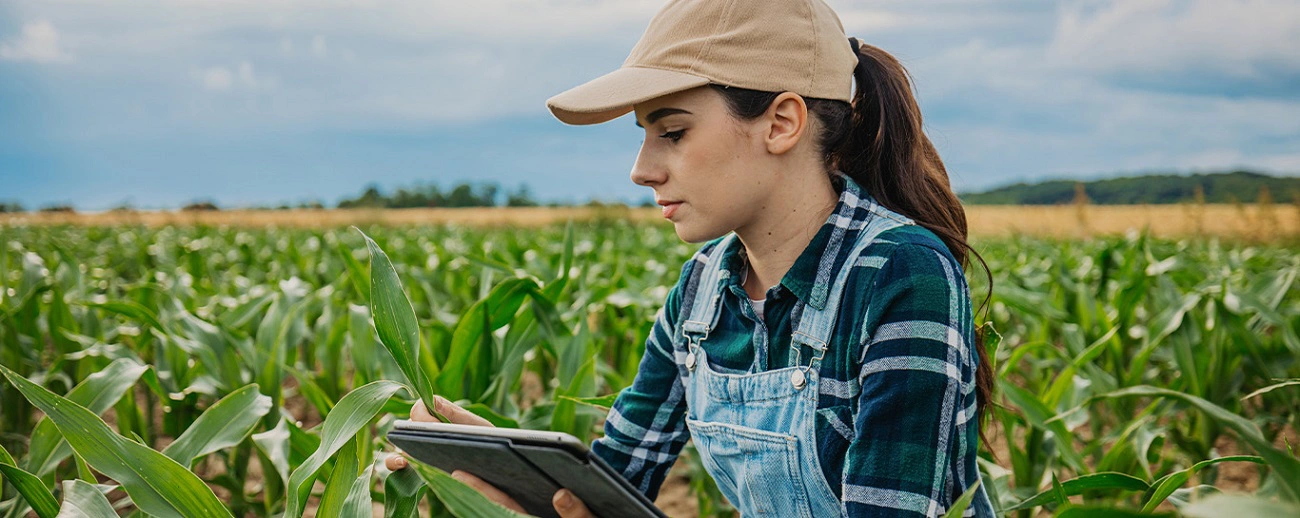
(254, 372)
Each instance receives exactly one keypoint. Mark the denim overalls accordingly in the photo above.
(756, 432)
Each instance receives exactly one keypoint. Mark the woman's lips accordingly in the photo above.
(670, 208)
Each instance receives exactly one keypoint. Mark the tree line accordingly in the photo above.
(1229, 187)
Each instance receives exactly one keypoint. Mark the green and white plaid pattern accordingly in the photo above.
(896, 431)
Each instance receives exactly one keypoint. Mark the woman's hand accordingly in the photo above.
(566, 503)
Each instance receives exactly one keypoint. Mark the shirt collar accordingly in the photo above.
(810, 277)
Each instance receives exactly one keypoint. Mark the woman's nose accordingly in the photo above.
(645, 171)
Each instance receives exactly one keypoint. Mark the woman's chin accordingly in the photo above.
(691, 234)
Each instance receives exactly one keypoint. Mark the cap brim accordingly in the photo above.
(610, 96)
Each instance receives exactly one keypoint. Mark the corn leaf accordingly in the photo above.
(346, 467)
(1285, 466)
(395, 321)
(98, 392)
(462, 500)
(1095, 481)
(963, 502)
(83, 500)
(403, 490)
(1220, 505)
(1166, 485)
(353, 412)
(31, 488)
(157, 484)
(223, 425)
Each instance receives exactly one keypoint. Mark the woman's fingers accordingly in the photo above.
(567, 504)
(488, 490)
(449, 410)
(395, 462)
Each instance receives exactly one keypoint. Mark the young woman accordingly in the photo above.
(819, 348)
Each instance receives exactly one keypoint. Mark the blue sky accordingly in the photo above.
(161, 102)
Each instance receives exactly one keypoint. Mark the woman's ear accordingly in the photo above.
(788, 122)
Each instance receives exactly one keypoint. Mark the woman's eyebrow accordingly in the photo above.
(661, 113)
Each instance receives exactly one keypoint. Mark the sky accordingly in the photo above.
(157, 103)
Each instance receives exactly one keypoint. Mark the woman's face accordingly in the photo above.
(706, 162)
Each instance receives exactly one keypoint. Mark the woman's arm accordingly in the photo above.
(917, 380)
(646, 428)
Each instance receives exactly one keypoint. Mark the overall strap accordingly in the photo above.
(815, 326)
(703, 309)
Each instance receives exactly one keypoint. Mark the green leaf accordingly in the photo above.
(605, 402)
(963, 502)
(83, 500)
(358, 502)
(1220, 505)
(467, 339)
(274, 444)
(1039, 415)
(463, 501)
(98, 392)
(395, 322)
(130, 309)
(346, 467)
(496, 419)
(353, 412)
(157, 484)
(1075, 486)
(31, 488)
(222, 425)
(1088, 511)
(1285, 466)
(403, 490)
(1166, 485)
(356, 272)
(1270, 388)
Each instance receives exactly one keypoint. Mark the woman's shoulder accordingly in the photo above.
(909, 246)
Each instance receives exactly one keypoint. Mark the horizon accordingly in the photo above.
(286, 101)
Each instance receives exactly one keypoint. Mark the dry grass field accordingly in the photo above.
(1249, 222)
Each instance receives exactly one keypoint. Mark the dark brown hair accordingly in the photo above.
(879, 142)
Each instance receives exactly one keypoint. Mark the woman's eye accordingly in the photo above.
(673, 135)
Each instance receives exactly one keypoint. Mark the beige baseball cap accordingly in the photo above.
(771, 45)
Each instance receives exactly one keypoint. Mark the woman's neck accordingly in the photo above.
(783, 228)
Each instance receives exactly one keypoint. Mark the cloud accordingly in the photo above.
(319, 47)
(1215, 45)
(222, 79)
(38, 43)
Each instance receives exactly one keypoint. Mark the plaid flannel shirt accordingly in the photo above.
(895, 427)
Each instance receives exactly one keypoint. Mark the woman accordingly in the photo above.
(820, 347)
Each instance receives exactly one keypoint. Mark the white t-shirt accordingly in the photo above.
(758, 304)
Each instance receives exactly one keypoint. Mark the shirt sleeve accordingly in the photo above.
(917, 382)
(646, 428)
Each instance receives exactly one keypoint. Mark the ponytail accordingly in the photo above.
(879, 142)
(887, 152)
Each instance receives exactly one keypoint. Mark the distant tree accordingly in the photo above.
(370, 199)
(11, 207)
(480, 194)
(201, 206)
(63, 208)
(1154, 189)
(521, 198)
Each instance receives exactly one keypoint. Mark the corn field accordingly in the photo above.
(213, 371)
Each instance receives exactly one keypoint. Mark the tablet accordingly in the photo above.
(528, 465)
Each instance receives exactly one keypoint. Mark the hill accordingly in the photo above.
(1151, 189)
